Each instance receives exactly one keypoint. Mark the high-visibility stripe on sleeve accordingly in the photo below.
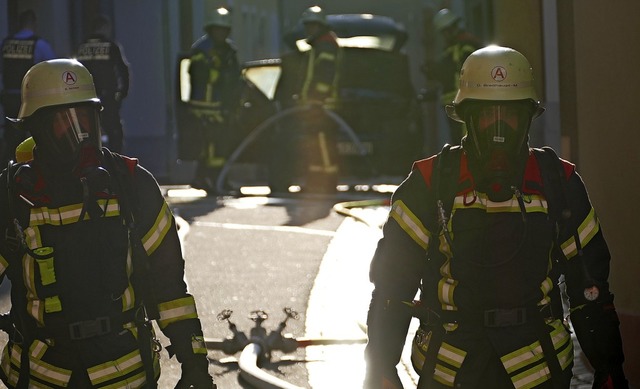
(152, 239)
(3, 265)
(176, 310)
(410, 224)
(586, 231)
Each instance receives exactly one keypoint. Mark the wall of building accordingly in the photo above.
(607, 60)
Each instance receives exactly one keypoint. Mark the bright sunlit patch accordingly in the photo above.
(385, 188)
(186, 192)
(255, 190)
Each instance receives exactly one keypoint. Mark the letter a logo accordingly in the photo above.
(499, 73)
(69, 77)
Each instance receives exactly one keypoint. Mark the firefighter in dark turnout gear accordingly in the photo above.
(480, 232)
(107, 64)
(312, 135)
(20, 51)
(459, 44)
(91, 250)
(215, 81)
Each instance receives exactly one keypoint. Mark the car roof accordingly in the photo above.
(354, 25)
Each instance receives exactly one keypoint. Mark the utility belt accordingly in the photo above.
(86, 329)
(490, 318)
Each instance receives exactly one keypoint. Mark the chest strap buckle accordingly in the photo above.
(90, 328)
(500, 317)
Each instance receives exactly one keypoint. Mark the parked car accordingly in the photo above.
(376, 111)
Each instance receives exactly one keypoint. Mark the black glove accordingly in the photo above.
(195, 374)
(612, 379)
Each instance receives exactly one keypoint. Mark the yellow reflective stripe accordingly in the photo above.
(45, 371)
(532, 377)
(522, 357)
(322, 87)
(198, 345)
(545, 287)
(444, 375)
(533, 357)
(3, 265)
(446, 287)
(136, 381)
(410, 223)
(14, 360)
(176, 310)
(152, 239)
(32, 237)
(69, 213)
(532, 203)
(326, 56)
(451, 355)
(114, 369)
(586, 231)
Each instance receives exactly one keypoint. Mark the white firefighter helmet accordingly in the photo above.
(219, 17)
(444, 18)
(314, 14)
(495, 73)
(54, 83)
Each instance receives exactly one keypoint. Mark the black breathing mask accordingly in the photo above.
(497, 144)
(67, 137)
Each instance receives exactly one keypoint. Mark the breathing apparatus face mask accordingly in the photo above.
(497, 144)
(67, 137)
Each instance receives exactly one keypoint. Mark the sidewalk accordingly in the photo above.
(582, 372)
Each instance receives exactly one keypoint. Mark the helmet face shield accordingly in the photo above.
(498, 127)
(61, 132)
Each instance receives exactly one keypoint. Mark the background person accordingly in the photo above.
(458, 45)
(91, 250)
(484, 232)
(310, 138)
(20, 51)
(215, 82)
(105, 60)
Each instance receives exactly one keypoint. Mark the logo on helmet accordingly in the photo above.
(499, 73)
(69, 77)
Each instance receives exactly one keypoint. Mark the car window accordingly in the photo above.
(185, 80)
(382, 42)
(264, 78)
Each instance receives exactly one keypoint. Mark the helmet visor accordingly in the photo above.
(499, 126)
(60, 132)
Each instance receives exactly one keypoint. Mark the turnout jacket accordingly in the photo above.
(488, 282)
(76, 288)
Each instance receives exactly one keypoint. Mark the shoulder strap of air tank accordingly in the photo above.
(447, 172)
(553, 182)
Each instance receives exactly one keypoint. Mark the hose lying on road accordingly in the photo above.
(342, 126)
(344, 208)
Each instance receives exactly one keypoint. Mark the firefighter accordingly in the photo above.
(108, 65)
(483, 232)
(459, 44)
(91, 250)
(215, 81)
(313, 136)
(20, 51)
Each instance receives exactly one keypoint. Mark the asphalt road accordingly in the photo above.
(259, 253)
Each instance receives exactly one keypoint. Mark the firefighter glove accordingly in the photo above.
(195, 374)
(612, 379)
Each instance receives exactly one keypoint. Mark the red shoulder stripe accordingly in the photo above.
(130, 162)
(425, 166)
